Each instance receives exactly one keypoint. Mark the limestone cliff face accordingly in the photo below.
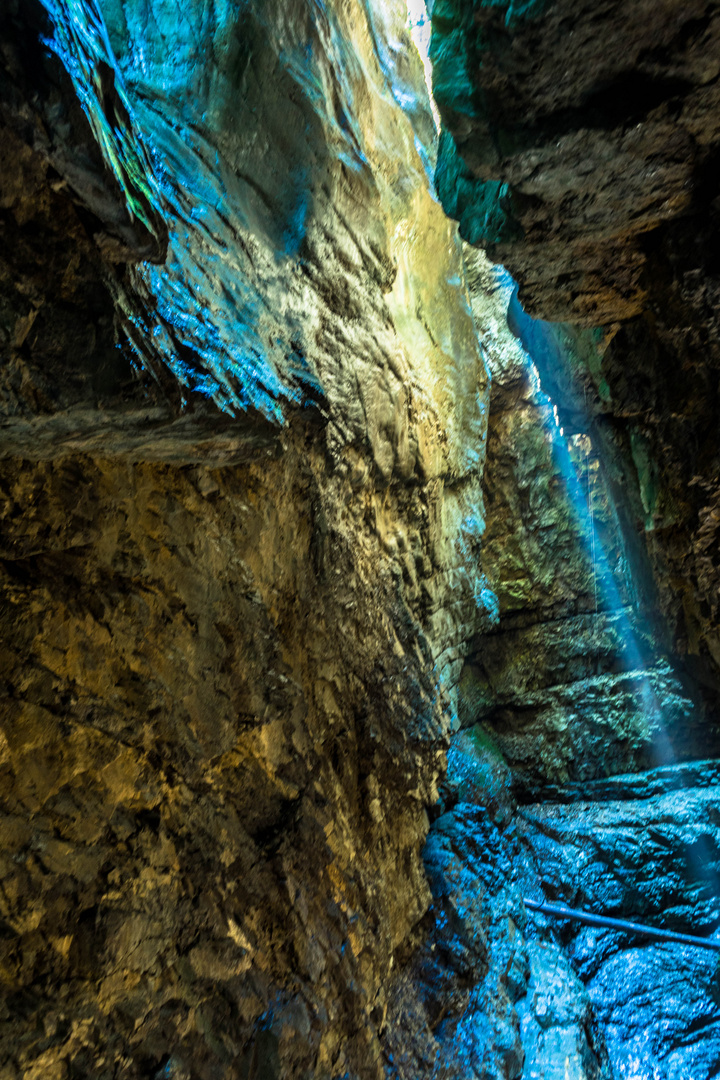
(581, 151)
(239, 539)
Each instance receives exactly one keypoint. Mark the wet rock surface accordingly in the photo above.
(499, 991)
(489, 993)
(580, 150)
(556, 1019)
(643, 848)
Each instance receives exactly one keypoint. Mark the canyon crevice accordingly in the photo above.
(346, 603)
(580, 151)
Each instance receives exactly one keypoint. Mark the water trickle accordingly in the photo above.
(611, 585)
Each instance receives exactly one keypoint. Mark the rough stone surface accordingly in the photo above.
(66, 231)
(643, 848)
(585, 128)
(569, 685)
(242, 436)
(652, 433)
(581, 150)
(201, 797)
(230, 641)
(572, 683)
(495, 991)
(487, 994)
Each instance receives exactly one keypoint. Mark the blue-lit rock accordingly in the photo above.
(487, 994)
(647, 848)
(260, 203)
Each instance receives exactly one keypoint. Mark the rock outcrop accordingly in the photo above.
(489, 993)
(241, 508)
(496, 991)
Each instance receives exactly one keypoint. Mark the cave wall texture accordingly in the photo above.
(580, 150)
(239, 563)
(307, 652)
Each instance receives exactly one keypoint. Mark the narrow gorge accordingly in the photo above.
(359, 539)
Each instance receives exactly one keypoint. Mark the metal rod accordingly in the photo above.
(559, 911)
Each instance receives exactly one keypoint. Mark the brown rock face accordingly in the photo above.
(203, 799)
(603, 122)
(581, 151)
(229, 640)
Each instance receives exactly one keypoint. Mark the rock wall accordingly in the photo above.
(580, 150)
(573, 682)
(240, 520)
(243, 431)
(601, 123)
(568, 690)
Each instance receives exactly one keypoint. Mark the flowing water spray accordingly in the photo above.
(700, 858)
(605, 591)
